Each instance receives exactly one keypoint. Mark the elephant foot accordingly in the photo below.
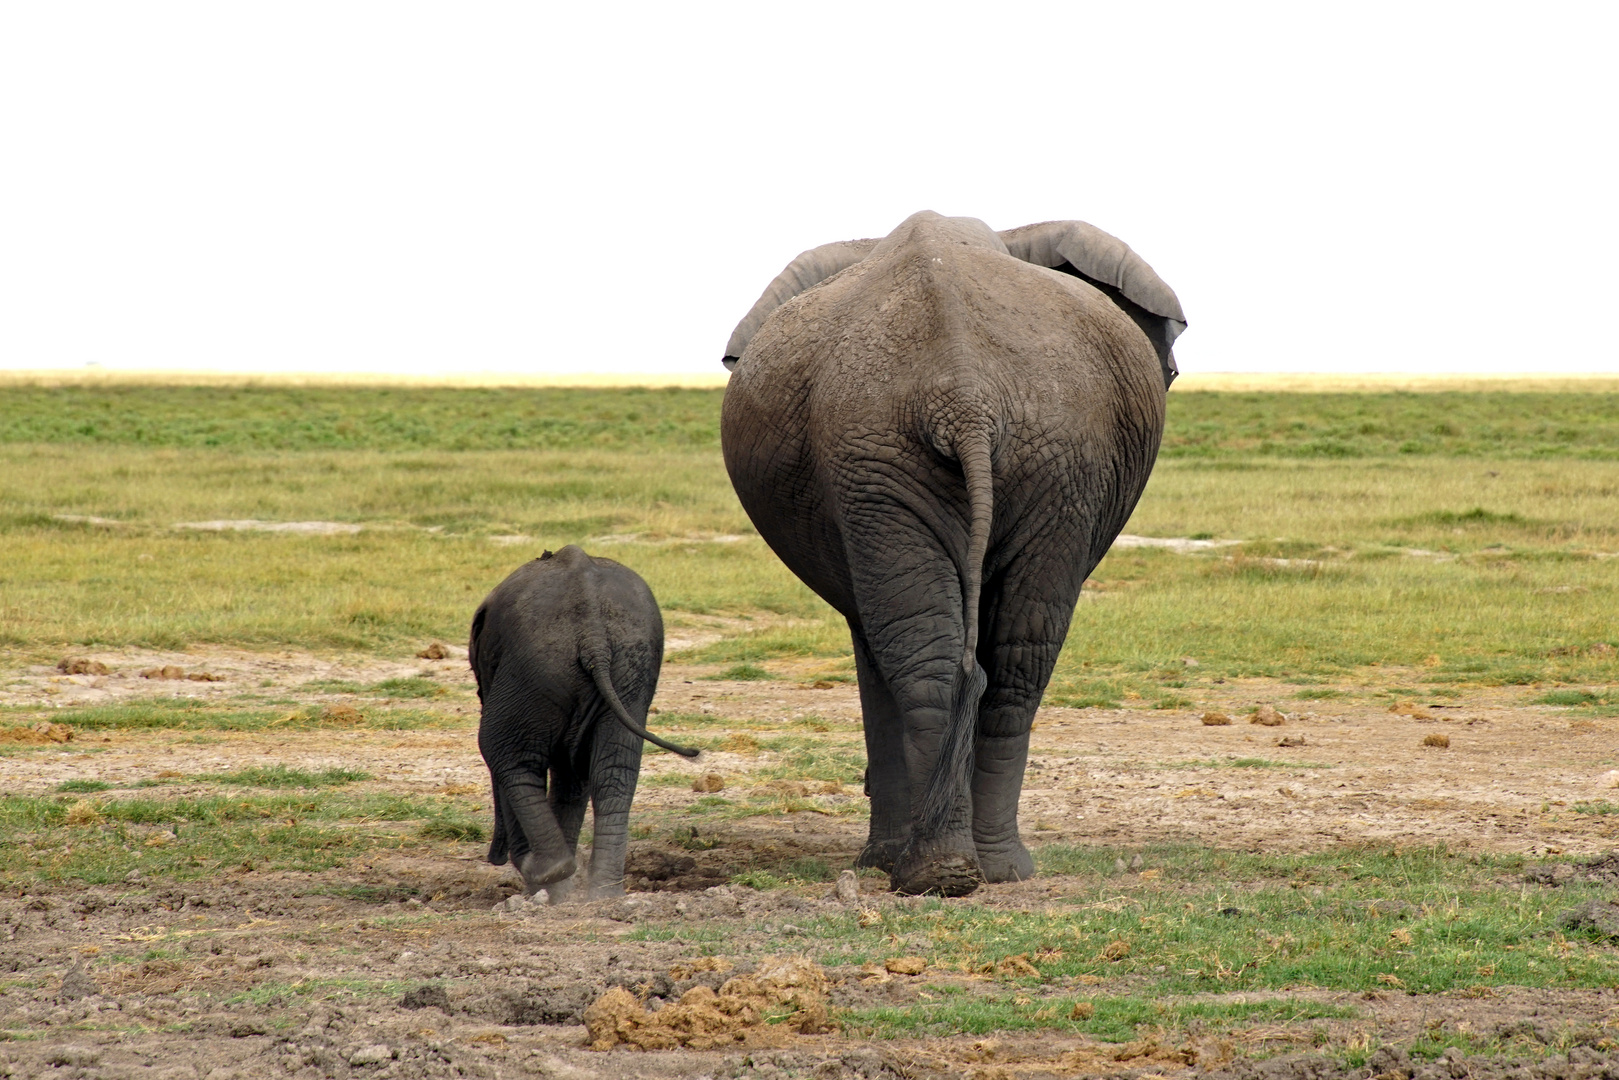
(563, 891)
(1014, 864)
(938, 871)
(539, 872)
(881, 854)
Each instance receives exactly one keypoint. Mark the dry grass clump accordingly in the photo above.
(83, 812)
(1436, 740)
(705, 1020)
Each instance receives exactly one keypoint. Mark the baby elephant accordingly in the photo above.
(566, 652)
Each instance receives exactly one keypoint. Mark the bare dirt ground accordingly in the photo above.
(210, 979)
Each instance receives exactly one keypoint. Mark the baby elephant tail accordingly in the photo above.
(599, 670)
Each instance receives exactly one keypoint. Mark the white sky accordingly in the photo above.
(447, 189)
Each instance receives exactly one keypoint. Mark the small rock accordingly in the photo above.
(521, 904)
(1215, 719)
(709, 783)
(1267, 716)
(426, 997)
(374, 1054)
(848, 887)
(77, 984)
(81, 1056)
(905, 965)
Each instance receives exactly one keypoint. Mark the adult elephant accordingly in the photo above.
(941, 432)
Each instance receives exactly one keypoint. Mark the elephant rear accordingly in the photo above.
(566, 653)
(942, 439)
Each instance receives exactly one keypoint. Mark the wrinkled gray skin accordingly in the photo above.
(941, 433)
(566, 652)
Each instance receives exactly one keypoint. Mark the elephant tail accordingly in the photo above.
(975, 451)
(596, 656)
(952, 770)
(600, 670)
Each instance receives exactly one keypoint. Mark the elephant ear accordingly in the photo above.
(1105, 261)
(808, 270)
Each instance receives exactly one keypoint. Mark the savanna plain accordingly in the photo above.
(1324, 784)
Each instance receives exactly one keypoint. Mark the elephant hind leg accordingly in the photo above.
(548, 857)
(888, 784)
(934, 861)
(498, 843)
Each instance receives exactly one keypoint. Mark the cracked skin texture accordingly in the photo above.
(871, 421)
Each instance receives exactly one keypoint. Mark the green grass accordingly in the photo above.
(1222, 426)
(358, 418)
(458, 829)
(213, 834)
(283, 776)
(1212, 921)
(742, 673)
(414, 686)
(82, 786)
(194, 714)
(1576, 697)
(1511, 496)
(1113, 1019)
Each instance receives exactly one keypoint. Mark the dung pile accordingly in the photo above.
(37, 734)
(783, 998)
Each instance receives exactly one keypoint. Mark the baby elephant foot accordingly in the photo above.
(1006, 864)
(563, 891)
(539, 872)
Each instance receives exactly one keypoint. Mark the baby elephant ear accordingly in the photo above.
(808, 270)
(1083, 250)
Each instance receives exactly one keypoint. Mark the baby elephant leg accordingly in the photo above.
(548, 858)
